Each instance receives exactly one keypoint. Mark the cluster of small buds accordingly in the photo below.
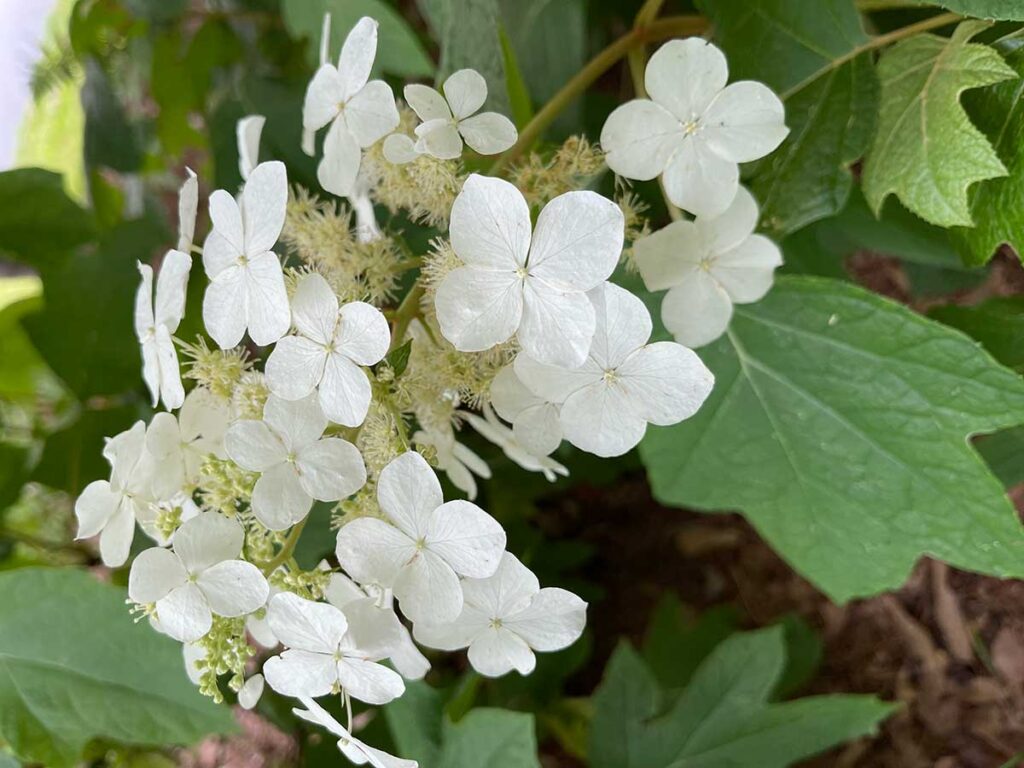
(512, 332)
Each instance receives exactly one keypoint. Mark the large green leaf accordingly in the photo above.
(926, 151)
(724, 718)
(1004, 453)
(837, 426)
(74, 666)
(996, 204)
(997, 323)
(1011, 10)
(39, 223)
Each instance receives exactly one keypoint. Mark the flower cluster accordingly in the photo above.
(346, 396)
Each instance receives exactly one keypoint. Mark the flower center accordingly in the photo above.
(522, 272)
(242, 260)
(610, 376)
(707, 263)
(495, 623)
(690, 127)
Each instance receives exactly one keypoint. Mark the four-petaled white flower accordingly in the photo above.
(248, 131)
(110, 508)
(425, 545)
(327, 351)
(456, 460)
(351, 747)
(450, 119)
(506, 617)
(694, 130)
(188, 207)
(246, 283)
(532, 287)
(359, 112)
(180, 445)
(296, 463)
(322, 655)
(625, 382)
(155, 322)
(535, 421)
(199, 577)
(503, 437)
(708, 265)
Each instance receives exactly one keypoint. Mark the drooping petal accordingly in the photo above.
(171, 390)
(369, 681)
(339, 167)
(471, 460)
(746, 272)
(234, 588)
(408, 492)
(315, 308)
(400, 149)
(623, 325)
(490, 224)
(601, 420)
(253, 445)
(252, 690)
(539, 429)
(363, 334)
(577, 241)
(151, 369)
(225, 307)
(305, 624)
(268, 312)
(184, 613)
(700, 181)
(372, 551)
(553, 620)
(356, 58)
(297, 422)
(552, 383)
(301, 673)
(733, 226)
(455, 634)
(208, 539)
(323, 95)
(155, 572)
(345, 391)
(144, 319)
(331, 469)
(116, 537)
(278, 499)
(465, 91)
(169, 306)
(248, 131)
(557, 326)
(746, 121)
(639, 137)
(666, 382)
(466, 537)
(697, 311)
(488, 133)
(428, 589)
(684, 76)
(295, 367)
(497, 651)
(507, 591)
(479, 308)
(371, 114)
(226, 218)
(440, 139)
(95, 506)
(188, 207)
(426, 102)
(669, 256)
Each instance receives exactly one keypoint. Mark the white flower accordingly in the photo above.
(327, 351)
(450, 119)
(246, 283)
(198, 578)
(251, 691)
(188, 207)
(322, 655)
(359, 112)
(295, 463)
(248, 132)
(372, 622)
(156, 321)
(110, 508)
(180, 445)
(504, 438)
(506, 617)
(426, 545)
(625, 382)
(707, 265)
(457, 461)
(180, 503)
(536, 289)
(351, 747)
(694, 129)
(535, 421)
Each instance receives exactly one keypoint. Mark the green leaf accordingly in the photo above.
(398, 359)
(997, 323)
(1004, 454)
(837, 426)
(468, 33)
(804, 651)
(21, 367)
(724, 717)
(1010, 10)
(39, 223)
(109, 678)
(996, 204)
(673, 647)
(399, 51)
(110, 140)
(415, 722)
(926, 150)
(518, 94)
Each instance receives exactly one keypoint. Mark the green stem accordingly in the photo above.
(407, 310)
(287, 548)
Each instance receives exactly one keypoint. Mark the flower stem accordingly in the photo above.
(287, 548)
(407, 310)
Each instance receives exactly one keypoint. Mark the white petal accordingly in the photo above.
(700, 181)
(539, 429)
(372, 631)
(465, 91)
(155, 572)
(378, 758)
(490, 224)
(469, 540)
(553, 620)
(219, 253)
(371, 114)
(745, 122)
(234, 588)
(369, 681)
(363, 334)
(639, 137)
(171, 390)
(509, 395)
(331, 469)
(144, 319)
(305, 624)
(669, 256)
(684, 76)
(465, 456)
(117, 535)
(345, 391)
(479, 308)
(279, 500)
(509, 590)
(552, 383)
(428, 589)
(297, 422)
(184, 614)
(357, 54)
(440, 139)
(410, 663)
(208, 539)
(601, 420)
(488, 133)
(426, 102)
(698, 311)
(577, 241)
(371, 551)
(248, 131)
(557, 326)
(315, 308)
(301, 673)
(623, 325)
(339, 167)
(341, 590)
(225, 307)
(251, 692)
(226, 218)
(203, 416)
(400, 149)
(94, 507)
(497, 652)
(455, 634)
(193, 653)
(295, 367)
(746, 272)
(317, 715)
(268, 314)
(263, 206)
(732, 227)
(666, 382)
(188, 207)
(151, 369)
(253, 445)
(323, 95)
(408, 492)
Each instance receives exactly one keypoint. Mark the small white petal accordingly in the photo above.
(745, 122)
(440, 139)
(553, 620)
(410, 663)
(467, 538)
(263, 206)
(601, 419)
(226, 218)
(315, 308)
(339, 167)
(268, 314)
(233, 588)
(490, 224)
(171, 390)
(455, 634)
(331, 469)
(557, 326)
(466, 91)
(305, 624)
(371, 114)
(171, 283)
(224, 307)
(248, 131)
(685, 75)
(508, 590)
(295, 367)
(372, 551)
(144, 319)
(700, 181)
(623, 325)
(356, 58)
(253, 445)
(251, 692)
(155, 572)
(188, 207)
(278, 499)
(372, 631)
(151, 369)
(746, 272)
(184, 614)
(400, 149)
(117, 535)
(301, 673)
(489, 133)
(208, 539)
(345, 391)
(94, 507)
(341, 590)
(669, 256)
(408, 492)
(297, 422)
(323, 95)
(192, 654)
(369, 681)
(363, 334)
(553, 383)
(497, 652)
(479, 308)
(577, 241)
(426, 102)
(666, 382)
(697, 311)
(539, 429)
(736, 224)
(428, 589)
(639, 138)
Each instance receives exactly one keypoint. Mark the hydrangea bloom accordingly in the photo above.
(359, 112)
(296, 463)
(707, 265)
(181, 444)
(450, 119)
(156, 319)
(694, 130)
(454, 459)
(326, 353)
(532, 287)
(351, 747)
(198, 578)
(505, 618)
(246, 283)
(425, 544)
(625, 382)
